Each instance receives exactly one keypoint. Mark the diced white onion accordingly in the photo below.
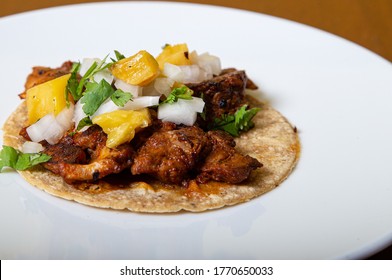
(191, 74)
(106, 107)
(135, 104)
(135, 90)
(79, 114)
(30, 147)
(182, 74)
(195, 104)
(210, 63)
(176, 113)
(64, 118)
(103, 75)
(141, 102)
(50, 127)
(181, 112)
(163, 85)
(47, 128)
(173, 72)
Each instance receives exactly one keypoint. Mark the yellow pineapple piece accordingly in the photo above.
(121, 125)
(46, 98)
(176, 54)
(139, 69)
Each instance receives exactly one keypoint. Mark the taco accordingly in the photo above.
(233, 149)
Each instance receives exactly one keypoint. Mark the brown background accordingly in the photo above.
(365, 22)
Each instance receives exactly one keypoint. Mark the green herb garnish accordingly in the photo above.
(10, 157)
(73, 83)
(237, 123)
(119, 56)
(179, 93)
(86, 121)
(120, 98)
(95, 95)
(74, 86)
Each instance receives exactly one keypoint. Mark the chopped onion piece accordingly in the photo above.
(173, 72)
(64, 118)
(103, 75)
(181, 112)
(191, 74)
(210, 63)
(141, 102)
(79, 114)
(163, 85)
(106, 107)
(195, 104)
(30, 147)
(176, 113)
(135, 90)
(184, 73)
(47, 128)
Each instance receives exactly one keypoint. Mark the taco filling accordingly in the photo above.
(150, 134)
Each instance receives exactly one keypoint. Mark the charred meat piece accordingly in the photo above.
(66, 153)
(100, 160)
(223, 94)
(224, 163)
(41, 75)
(249, 83)
(171, 155)
(90, 138)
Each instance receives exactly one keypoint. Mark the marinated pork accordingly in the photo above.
(171, 156)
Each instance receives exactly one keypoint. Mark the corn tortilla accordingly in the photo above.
(273, 141)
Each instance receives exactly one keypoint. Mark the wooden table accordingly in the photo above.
(365, 22)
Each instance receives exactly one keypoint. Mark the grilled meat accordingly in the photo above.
(66, 153)
(223, 94)
(224, 163)
(177, 155)
(98, 160)
(43, 74)
(172, 155)
(249, 83)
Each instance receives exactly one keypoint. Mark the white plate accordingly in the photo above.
(336, 204)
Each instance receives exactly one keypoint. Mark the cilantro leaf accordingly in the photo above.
(235, 124)
(119, 56)
(95, 95)
(10, 157)
(243, 118)
(26, 161)
(73, 83)
(86, 121)
(181, 92)
(120, 97)
(226, 123)
(85, 78)
(94, 68)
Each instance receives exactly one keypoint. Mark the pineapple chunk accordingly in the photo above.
(176, 54)
(139, 69)
(46, 98)
(121, 125)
